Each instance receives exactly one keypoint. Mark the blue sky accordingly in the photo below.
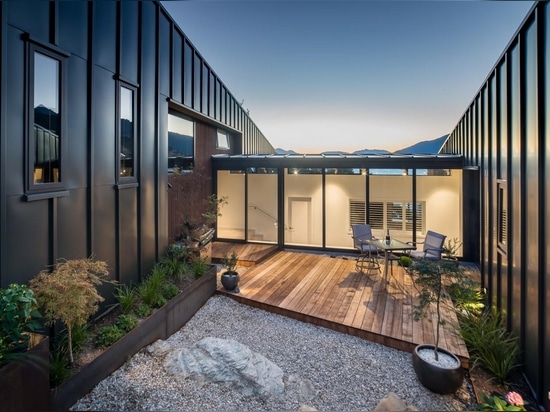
(351, 75)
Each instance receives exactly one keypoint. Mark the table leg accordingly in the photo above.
(386, 258)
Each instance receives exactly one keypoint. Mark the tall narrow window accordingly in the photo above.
(47, 119)
(181, 142)
(502, 224)
(46, 139)
(126, 132)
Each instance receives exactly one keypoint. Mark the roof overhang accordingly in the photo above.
(436, 161)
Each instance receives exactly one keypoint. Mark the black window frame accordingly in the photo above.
(36, 191)
(191, 166)
(120, 83)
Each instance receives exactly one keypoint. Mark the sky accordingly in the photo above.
(343, 75)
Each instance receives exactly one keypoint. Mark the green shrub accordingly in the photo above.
(143, 310)
(405, 261)
(126, 322)
(169, 290)
(150, 289)
(108, 335)
(199, 267)
(467, 299)
(59, 367)
(127, 297)
(489, 343)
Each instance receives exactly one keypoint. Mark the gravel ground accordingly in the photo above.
(323, 369)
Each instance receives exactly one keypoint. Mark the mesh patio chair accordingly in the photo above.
(432, 247)
(368, 255)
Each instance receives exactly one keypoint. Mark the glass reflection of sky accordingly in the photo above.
(46, 82)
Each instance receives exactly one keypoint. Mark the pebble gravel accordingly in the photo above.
(324, 370)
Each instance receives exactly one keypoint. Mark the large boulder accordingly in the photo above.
(228, 362)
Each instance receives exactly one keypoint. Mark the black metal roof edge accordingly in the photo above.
(431, 161)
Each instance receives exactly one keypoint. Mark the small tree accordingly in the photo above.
(69, 292)
(430, 278)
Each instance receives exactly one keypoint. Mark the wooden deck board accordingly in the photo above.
(329, 292)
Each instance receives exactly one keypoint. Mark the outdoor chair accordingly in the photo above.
(432, 249)
(368, 255)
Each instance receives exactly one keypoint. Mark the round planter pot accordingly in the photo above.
(230, 280)
(442, 380)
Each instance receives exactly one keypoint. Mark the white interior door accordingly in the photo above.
(299, 218)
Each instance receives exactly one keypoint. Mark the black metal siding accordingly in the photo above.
(516, 154)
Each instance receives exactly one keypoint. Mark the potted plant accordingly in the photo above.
(436, 368)
(450, 249)
(230, 277)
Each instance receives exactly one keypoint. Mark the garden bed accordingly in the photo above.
(159, 325)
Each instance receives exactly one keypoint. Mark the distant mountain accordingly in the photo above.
(280, 151)
(424, 147)
(372, 152)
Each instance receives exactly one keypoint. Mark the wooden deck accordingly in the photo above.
(329, 292)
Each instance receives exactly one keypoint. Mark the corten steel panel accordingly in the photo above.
(147, 140)
(104, 34)
(77, 135)
(128, 235)
(128, 47)
(104, 224)
(164, 55)
(73, 27)
(27, 229)
(30, 16)
(15, 109)
(103, 117)
(72, 228)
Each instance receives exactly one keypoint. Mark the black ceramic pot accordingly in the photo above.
(230, 280)
(435, 378)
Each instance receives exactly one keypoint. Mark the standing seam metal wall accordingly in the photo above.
(515, 154)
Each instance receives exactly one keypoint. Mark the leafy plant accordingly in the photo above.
(59, 367)
(108, 335)
(169, 290)
(430, 278)
(18, 315)
(69, 293)
(450, 248)
(143, 310)
(127, 297)
(489, 343)
(126, 322)
(513, 401)
(199, 267)
(230, 262)
(405, 261)
(150, 289)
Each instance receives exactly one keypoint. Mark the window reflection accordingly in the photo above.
(126, 132)
(47, 119)
(181, 132)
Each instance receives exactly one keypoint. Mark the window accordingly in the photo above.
(181, 142)
(222, 141)
(388, 215)
(356, 212)
(502, 223)
(45, 135)
(126, 141)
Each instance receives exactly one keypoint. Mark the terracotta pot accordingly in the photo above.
(435, 378)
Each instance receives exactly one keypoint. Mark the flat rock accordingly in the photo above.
(228, 362)
(392, 402)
